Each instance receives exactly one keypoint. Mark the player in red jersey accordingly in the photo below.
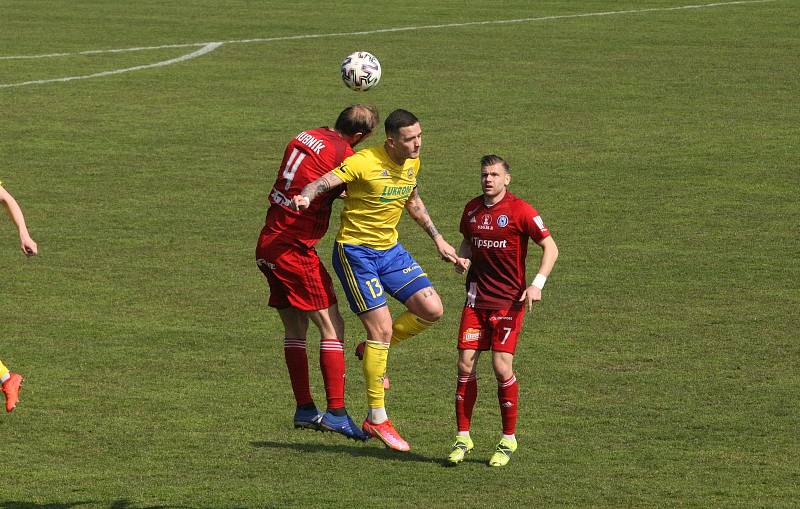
(496, 228)
(300, 287)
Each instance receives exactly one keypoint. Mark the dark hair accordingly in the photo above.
(491, 159)
(398, 119)
(358, 118)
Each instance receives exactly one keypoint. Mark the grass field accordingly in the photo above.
(660, 145)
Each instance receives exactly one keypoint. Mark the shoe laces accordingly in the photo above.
(503, 448)
(460, 443)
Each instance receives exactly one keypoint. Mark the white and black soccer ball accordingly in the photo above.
(361, 71)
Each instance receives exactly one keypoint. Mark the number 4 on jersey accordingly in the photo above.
(291, 167)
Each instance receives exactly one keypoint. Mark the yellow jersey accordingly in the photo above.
(377, 191)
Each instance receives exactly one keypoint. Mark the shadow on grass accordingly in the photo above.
(117, 504)
(353, 450)
(10, 504)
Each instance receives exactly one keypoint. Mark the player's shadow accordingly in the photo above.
(361, 451)
(11, 504)
(116, 504)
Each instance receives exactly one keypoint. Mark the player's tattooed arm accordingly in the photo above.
(419, 213)
(416, 209)
(320, 186)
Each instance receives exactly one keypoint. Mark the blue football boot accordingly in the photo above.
(307, 418)
(343, 425)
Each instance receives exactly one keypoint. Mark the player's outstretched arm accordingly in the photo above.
(464, 256)
(419, 213)
(320, 186)
(13, 210)
(549, 255)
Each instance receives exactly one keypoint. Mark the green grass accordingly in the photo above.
(661, 369)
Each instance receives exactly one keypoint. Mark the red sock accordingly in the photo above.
(294, 351)
(508, 396)
(331, 361)
(466, 394)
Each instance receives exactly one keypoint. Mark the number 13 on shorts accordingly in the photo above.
(374, 286)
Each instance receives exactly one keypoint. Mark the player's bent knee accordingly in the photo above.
(503, 370)
(465, 366)
(431, 309)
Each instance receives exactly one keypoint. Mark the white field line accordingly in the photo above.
(101, 51)
(498, 22)
(211, 46)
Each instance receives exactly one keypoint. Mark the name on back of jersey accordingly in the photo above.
(311, 142)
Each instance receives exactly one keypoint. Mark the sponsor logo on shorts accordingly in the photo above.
(472, 334)
(411, 269)
(496, 318)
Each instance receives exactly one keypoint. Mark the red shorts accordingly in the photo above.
(495, 329)
(295, 275)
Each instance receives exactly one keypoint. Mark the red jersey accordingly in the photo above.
(310, 155)
(498, 236)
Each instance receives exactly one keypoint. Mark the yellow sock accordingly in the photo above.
(407, 325)
(376, 354)
(3, 370)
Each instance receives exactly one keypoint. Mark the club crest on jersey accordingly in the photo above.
(410, 172)
(502, 221)
(486, 223)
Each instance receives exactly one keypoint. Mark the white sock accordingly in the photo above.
(512, 438)
(5, 377)
(377, 415)
(463, 434)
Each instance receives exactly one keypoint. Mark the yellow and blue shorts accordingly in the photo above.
(368, 275)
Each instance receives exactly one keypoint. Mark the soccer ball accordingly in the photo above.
(361, 71)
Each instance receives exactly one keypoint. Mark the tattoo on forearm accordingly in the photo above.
(418, 212)
(322, 187)
(313, 190)
(431, 229)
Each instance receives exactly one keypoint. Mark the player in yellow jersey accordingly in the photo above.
(11, 381)
(381, 182)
